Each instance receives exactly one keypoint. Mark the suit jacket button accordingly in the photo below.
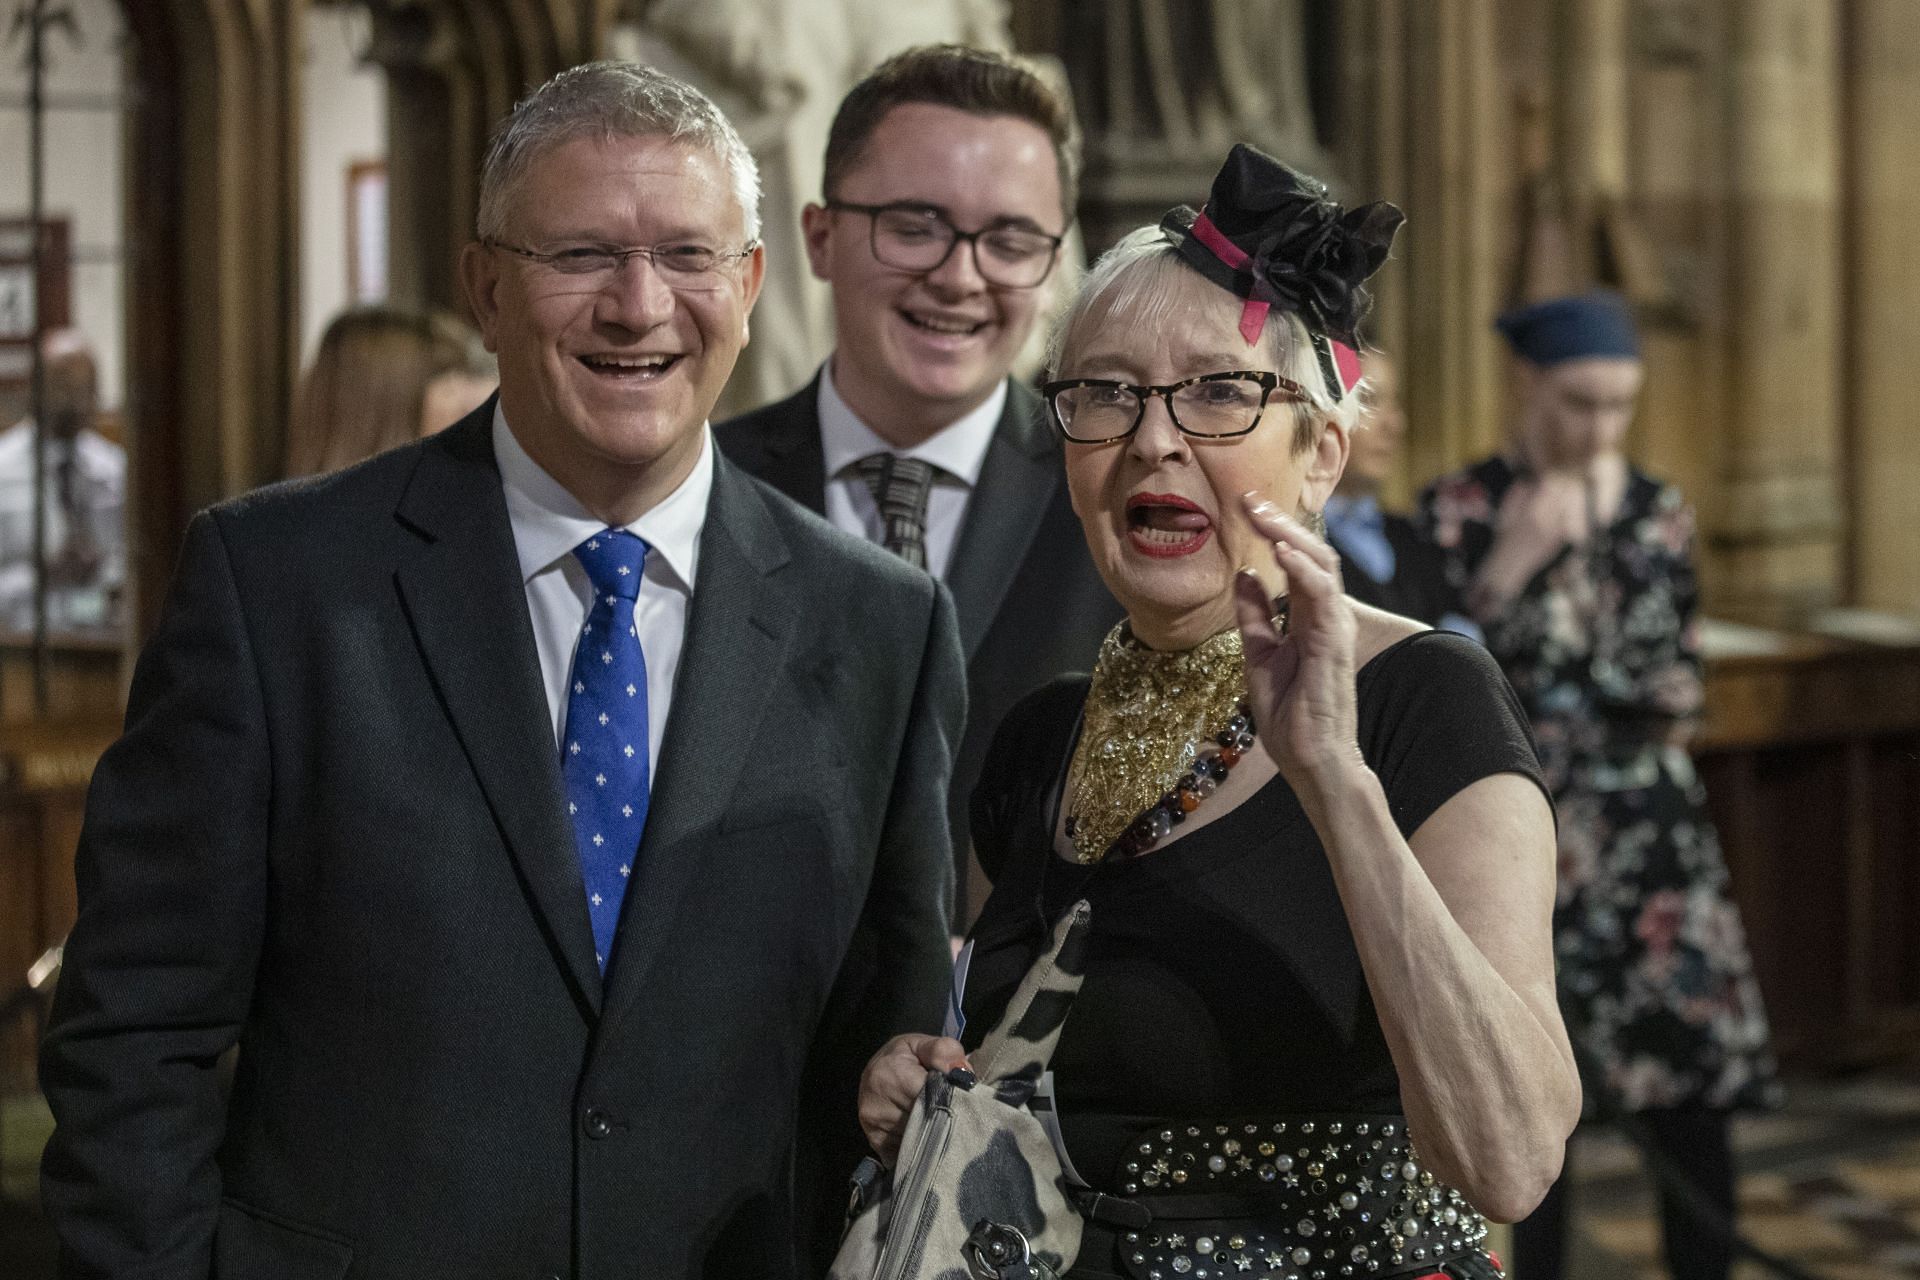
(597, 1124)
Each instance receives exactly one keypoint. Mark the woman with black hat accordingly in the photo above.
(1317, 1036)
(1578, 566)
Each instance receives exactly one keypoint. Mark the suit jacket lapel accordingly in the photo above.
(1016, 484)
(789, 439)
(468, 605)
(737, 634)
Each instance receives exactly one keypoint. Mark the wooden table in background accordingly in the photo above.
(1810, 751)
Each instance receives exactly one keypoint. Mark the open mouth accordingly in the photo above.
(633, 369)
(943, 326)
(1166, 525)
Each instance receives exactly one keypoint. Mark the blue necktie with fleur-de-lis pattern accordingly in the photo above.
(604, 756)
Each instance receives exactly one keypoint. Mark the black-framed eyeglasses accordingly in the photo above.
(913, 237)
(1213, 406)
(682, 266)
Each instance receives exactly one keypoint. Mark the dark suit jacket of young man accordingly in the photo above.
(1418, 588)
(1030, 604)
(336, 830)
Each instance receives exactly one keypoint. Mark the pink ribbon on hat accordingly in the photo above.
(1253, 316)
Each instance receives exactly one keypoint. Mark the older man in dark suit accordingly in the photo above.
(949, 183)
(552, 814)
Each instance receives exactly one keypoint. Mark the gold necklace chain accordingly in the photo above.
(1147, 714)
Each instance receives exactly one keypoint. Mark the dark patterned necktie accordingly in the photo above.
(900, 487)
(604, 760)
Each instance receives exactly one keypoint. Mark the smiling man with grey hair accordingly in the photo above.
(551, 814)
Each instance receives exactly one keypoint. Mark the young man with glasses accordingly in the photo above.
(949, 183)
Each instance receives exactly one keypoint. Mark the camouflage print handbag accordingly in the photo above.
(978, 1193)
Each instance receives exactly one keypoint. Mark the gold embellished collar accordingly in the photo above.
(1148, 713)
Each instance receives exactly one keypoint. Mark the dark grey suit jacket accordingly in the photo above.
(1030, 604)
(336, 832)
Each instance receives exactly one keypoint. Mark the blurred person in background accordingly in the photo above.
(85, 479)
(1579, 567)
(383, 376)
(1384, 560)
(457, 390)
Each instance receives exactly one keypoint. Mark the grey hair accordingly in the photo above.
(610, 100)
(1138, 278)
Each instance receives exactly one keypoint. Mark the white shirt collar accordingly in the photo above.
(549, 522)
(959, 448)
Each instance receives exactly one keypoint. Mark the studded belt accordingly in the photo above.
(1301, 1198)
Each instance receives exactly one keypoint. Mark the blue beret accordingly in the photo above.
(1598, 323)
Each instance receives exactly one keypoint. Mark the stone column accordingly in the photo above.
(426, 187)
(1883, 286)
(213, 240)
(1457, 223)
(1590, 117)
(241, 236)
(1373, 151)
(1777, 529)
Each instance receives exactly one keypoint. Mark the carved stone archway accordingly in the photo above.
(212, 277)
(213, 217)
(454, 68)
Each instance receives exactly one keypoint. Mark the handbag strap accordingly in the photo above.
(1020, 1046)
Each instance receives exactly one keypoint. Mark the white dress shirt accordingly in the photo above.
(548, 523)
(958, 450)
(99, 487)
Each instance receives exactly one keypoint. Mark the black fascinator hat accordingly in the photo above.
(1270, 235)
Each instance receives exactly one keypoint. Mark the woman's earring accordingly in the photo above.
(1282, 614)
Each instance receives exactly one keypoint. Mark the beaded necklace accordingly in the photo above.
(1160, 733)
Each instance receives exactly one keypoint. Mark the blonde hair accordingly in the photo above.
(1142, 277)
(366, 387)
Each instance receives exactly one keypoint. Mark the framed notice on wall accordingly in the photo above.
(367, 232)
(28, 302)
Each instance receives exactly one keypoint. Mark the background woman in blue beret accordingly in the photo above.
(1579, 569)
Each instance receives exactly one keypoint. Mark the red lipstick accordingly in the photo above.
(1166, 525)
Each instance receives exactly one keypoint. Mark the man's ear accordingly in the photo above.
(755, 275)
(1326, 463)
(480, 277)
(816, 228)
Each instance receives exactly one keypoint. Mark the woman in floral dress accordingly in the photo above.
(1579, 568)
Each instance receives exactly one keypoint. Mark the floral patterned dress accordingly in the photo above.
(1655, 980)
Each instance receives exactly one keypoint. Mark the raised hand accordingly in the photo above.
(1300, 678)
(1549, 510)
(1537, 518)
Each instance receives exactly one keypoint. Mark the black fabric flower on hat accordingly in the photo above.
(1271, 235)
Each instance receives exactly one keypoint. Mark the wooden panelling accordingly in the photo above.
(1811, 758)
(44, 770)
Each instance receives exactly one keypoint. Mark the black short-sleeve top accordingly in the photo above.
(1223, 979)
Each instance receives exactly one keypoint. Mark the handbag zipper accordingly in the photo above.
(902, 1252)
